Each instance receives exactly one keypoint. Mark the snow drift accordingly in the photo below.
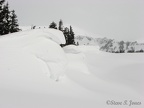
(25, 49)
(80, 76)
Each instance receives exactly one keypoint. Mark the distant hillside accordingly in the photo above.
(110, 45)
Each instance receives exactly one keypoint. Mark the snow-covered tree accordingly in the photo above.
(121, 46)
(71, 36)
(33, 27)
(14, 23)
(1, 16)
(8, 21)
(66, 34)
(53, 25)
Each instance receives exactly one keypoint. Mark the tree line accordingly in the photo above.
(8, 19)
(68, 32)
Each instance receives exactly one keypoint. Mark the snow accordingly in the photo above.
(35, 72)
(110, 45)
(33, 46)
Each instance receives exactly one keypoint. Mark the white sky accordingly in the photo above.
(118, 19)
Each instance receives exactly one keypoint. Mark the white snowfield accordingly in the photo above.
(35, 72)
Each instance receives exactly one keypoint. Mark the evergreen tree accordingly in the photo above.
(6, 20)
(66, 34)
(1, 8)
(77, 44)
(121, 46)
(1, 16)
(71, 36)
(33, 27)
(61, 25)
(53, 25)
(14, 23)
(141, 50)
(1, 2)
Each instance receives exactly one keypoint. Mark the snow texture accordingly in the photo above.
(35, 72)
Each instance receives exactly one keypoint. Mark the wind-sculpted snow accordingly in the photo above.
(49, 53)
(40, 44)
(35, 72)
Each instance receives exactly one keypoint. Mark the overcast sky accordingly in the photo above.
(118, 19)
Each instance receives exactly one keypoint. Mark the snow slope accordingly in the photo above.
(26, 48)
(35, 72)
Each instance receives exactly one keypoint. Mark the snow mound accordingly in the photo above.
(29, 47)
(77, 58)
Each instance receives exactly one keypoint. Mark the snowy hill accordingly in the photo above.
(35, 72)
(110, 45)
(32, 46)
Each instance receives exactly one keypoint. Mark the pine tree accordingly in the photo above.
(1, 16)
(71, 36)
(33, 26)
(77, 44)
(1, 8)
(66, 34)
(121, 46)
(61, 25)
(6, 20)
(14, 23)
(1, 2)
(53, 25)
